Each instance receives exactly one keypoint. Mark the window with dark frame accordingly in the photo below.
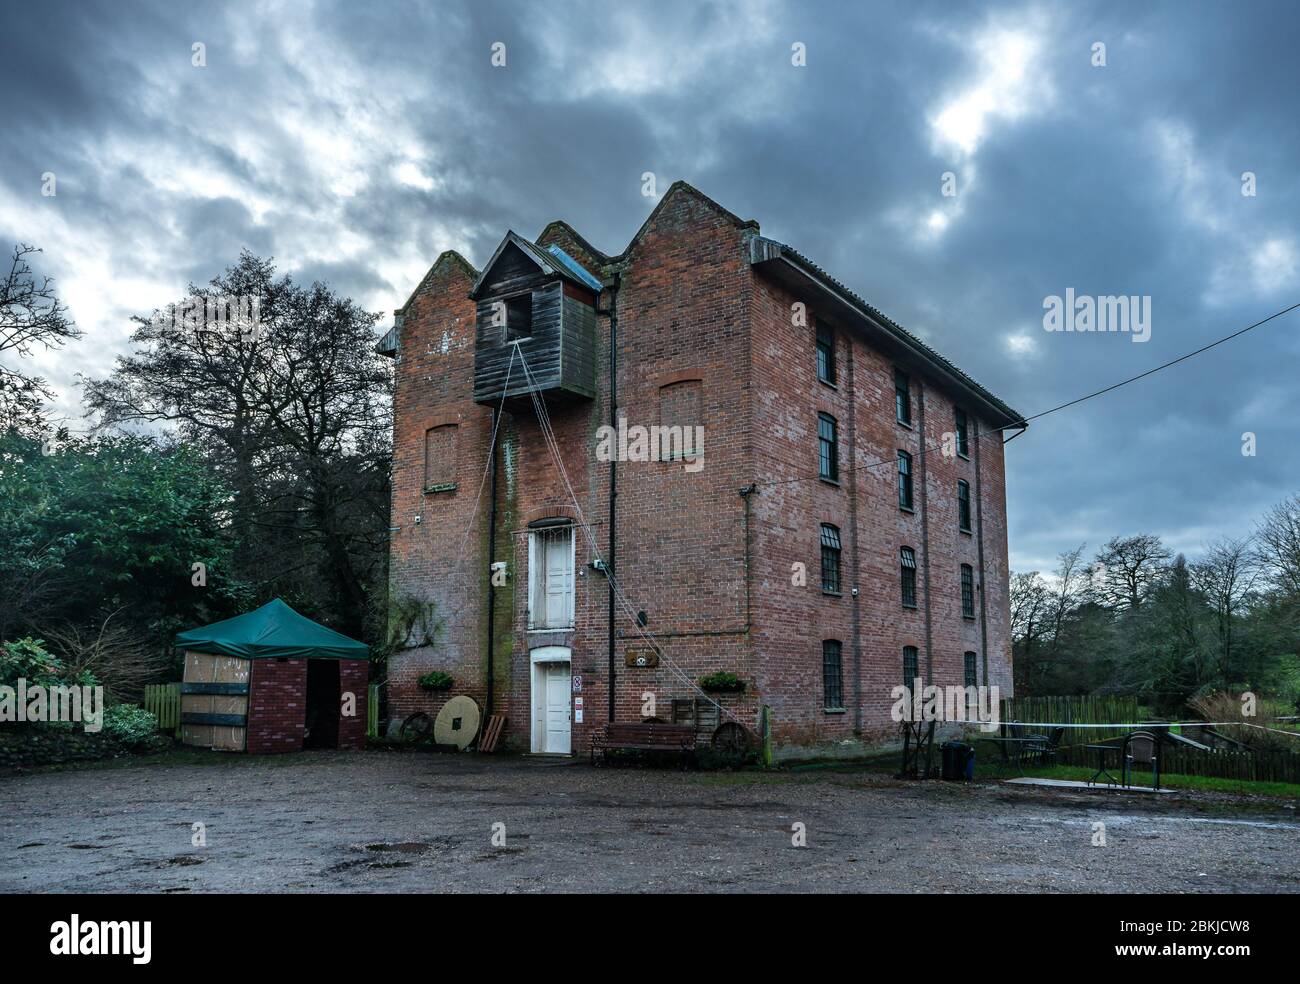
(904, 480)
(830, 559)
(963, 443)
(967, 591)
(825, 353)
(911, 666)
(963, 506)
(907, 572)
(902, 398)
(828, 448)
(550, 576)
(972, 678)
(832, 675)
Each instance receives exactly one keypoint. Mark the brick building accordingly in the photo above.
(801, 541)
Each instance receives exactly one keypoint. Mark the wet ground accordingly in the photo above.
(392, 822)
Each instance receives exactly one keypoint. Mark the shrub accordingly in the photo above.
(29, 659)
(437, 680)
(1220, 706)
(130, 724)
(722, 683)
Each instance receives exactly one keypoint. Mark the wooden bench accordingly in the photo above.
(678, 739)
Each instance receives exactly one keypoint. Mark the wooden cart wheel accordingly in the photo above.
(417, 727)
(731, 742)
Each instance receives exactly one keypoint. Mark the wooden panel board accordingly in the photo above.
(210, 668)
(488, 743)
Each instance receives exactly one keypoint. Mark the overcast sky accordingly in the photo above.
(355, 141)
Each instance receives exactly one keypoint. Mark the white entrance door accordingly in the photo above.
(558, 685)
(552, 684)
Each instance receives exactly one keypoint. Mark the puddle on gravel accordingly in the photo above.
(406, 847)
(182, 860)
(1156, 818)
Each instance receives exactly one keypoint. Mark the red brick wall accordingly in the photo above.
(690, 306)
(793, 621)
(435, 562)
(354, 678)
(277, 706)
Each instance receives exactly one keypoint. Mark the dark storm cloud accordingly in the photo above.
(354, 142)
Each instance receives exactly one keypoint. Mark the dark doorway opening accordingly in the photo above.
(322, 704)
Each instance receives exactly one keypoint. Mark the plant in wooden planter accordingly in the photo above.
(722, 683)
(437, 680)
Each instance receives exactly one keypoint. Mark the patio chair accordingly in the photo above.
(1142, 748)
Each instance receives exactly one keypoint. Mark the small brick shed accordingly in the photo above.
(272, 680)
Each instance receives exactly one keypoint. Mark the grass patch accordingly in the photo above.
(1168, 780)
(991, 769)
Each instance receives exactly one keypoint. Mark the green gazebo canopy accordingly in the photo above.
(273, 631)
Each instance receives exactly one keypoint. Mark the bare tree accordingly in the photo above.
(30, 315)
(1128, 568)
(1278, 542)
(1030, 600)
(1226, 578)
(294, 412)
(1073, 587)
(114, 651)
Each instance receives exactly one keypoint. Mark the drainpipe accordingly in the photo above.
(925, 533)
(979, 544)
(492, 557)
(856, 620)
(612, 285)
(745, 493)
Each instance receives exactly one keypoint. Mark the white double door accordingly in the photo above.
(552, 686)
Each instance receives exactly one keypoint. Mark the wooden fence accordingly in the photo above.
(1111, 709)
(372, 711)
(164, 700)
(1257, 766)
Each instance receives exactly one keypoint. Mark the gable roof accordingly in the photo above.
(392, 339)
(551, 260)
(682, 187)
(274, 631)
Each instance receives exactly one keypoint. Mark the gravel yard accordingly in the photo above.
(391, 822)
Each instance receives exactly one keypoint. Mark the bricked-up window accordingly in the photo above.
(971, 679)
(902, 398)
(967, 591)
(963, 506)
(830, 559)
(904, 480)
(828, 447)
(519, 316)
(907, 568)
(911, 666)
(963, 438)
(832, 675)
(825, 353)
(550, 577)
(680, 407)
(440, 458)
